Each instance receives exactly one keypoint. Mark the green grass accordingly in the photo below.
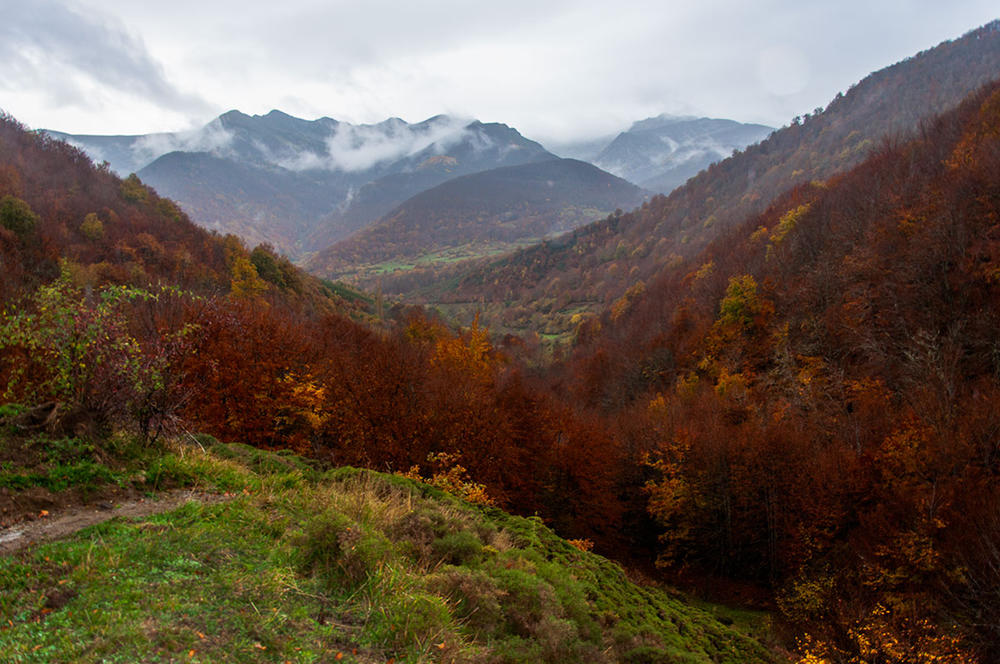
(387, 267)
(10, 410)
(344, 291)
(302, 564)
(83, 474)
(207, 579)
(59, 464)
(441, 257)
(473, 250)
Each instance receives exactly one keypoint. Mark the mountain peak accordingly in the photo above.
(661, 120)
(662, 152)
(440, 117)
(233, 115)
(497, 125)
(393, 123)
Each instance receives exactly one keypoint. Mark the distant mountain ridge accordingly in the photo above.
(660, 153)
(303, 184)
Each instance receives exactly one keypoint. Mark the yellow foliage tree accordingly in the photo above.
(92, 227)
(470, 354)
(243, 279)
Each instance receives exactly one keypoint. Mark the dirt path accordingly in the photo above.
(66, 522)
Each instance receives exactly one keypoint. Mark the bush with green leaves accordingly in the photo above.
(17, 216)
(74, 346)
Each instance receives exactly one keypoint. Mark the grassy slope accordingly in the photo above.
(302, 565)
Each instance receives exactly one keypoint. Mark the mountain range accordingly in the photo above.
(300, 185)
(303, 185)
(662, 152)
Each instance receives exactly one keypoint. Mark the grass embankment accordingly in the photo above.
(347, 565)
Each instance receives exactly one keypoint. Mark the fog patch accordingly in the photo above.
(352, 148)
(96, 154)
(213, 138)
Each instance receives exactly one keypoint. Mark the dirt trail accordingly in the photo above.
(68, 521)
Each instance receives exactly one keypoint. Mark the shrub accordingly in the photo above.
(321, 546)
(340, 551)
(413, 620)
(92, 227)
(76, 347)
(17, 216)
(649, 655)
(10, 410)
(474, 595)
(68, 450)
(528, 599)
(457, 548)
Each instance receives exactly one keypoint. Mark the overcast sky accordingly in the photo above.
(554, 69)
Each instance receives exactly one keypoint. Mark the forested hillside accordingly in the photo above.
(125, 315)
(783, 389)
(819, 395)
(474, 216)
(58, 208)
(546, 286)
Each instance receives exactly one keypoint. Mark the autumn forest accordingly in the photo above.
(795, 409)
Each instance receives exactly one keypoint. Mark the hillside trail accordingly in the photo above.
(65, 522)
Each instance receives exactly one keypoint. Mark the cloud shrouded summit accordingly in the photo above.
(302, 184)
(354, 148)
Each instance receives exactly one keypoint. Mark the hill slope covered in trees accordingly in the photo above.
(59, 208)
(546, 286)
(819, 391)
(106, 352)
(126, 315)
(476, 215)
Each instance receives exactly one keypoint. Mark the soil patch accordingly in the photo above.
(64, 522)
(18, 506)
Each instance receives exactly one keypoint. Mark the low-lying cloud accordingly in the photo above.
(351, 148)
(348, 149)
(213, 138)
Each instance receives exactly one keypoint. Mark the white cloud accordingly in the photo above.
(213, 138)
(353, 148)
(563, 69)
(67, 60)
